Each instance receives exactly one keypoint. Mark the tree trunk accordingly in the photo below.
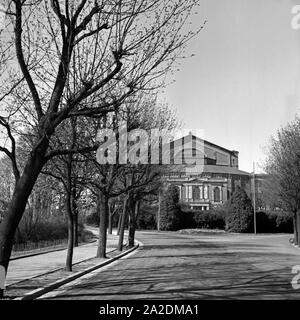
(18, 203)
(69, 260)
(18, 236)
(101, 252)
(110, 216)
(35, 206)
(295, 222)
(119, 223)
(298, 228)
(75, 214)
(131, 224)
(122, 224)
(133, 213)
(76, 237)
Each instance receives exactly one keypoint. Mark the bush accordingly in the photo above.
(170, 212)
(146, 219)
(40, 229)
(274, 222)
(265, 223)
(284, 222)
(187, 220)
(239, 217)
(85, 235)
(212, 219)
(54, 228)
(93, 219)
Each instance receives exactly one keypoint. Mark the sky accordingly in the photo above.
(243, 83)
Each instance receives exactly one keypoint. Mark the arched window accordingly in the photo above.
(217, 194)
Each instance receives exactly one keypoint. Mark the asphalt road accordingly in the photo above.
(175, 266)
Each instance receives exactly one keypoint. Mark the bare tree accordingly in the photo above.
(146, 180)
(77, 59)
(68, 170)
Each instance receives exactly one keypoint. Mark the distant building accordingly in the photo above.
(212, 183)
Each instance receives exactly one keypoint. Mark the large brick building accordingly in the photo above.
(211, 183)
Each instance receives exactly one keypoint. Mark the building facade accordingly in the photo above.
(211, 183)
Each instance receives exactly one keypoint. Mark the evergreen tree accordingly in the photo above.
(239, 216)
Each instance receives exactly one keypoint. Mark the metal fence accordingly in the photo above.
(19, 247)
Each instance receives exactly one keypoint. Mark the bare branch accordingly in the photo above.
(55, 153)
(21, 60)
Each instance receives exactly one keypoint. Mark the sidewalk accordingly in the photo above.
(29, 267)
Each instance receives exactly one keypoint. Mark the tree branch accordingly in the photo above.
(21, 60)
(84, 150)
(12, 154)
(87, 19)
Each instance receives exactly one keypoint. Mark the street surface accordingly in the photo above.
(206, 266)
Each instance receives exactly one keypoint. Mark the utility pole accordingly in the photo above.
(254, 198)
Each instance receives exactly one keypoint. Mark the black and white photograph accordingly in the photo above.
(149, 154)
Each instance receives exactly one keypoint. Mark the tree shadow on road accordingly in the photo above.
(194, 271)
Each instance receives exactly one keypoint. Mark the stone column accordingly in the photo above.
(211, 193)
(224, 193)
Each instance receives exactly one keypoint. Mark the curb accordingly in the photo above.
(52, 271)
(41, 291)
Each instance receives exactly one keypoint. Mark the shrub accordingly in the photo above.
(34, 230)
(284, 222)
(85, 235)
(53, 228)
(170, 212)
(146, 219)
(239, 217)
(266, 223)
(212, 219)
(187, 220)
(274, 222)
(93, 219)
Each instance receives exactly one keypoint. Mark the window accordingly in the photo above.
(196, 193)
(217, 194)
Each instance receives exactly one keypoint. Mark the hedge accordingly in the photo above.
(210, 219)
(267, 222)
